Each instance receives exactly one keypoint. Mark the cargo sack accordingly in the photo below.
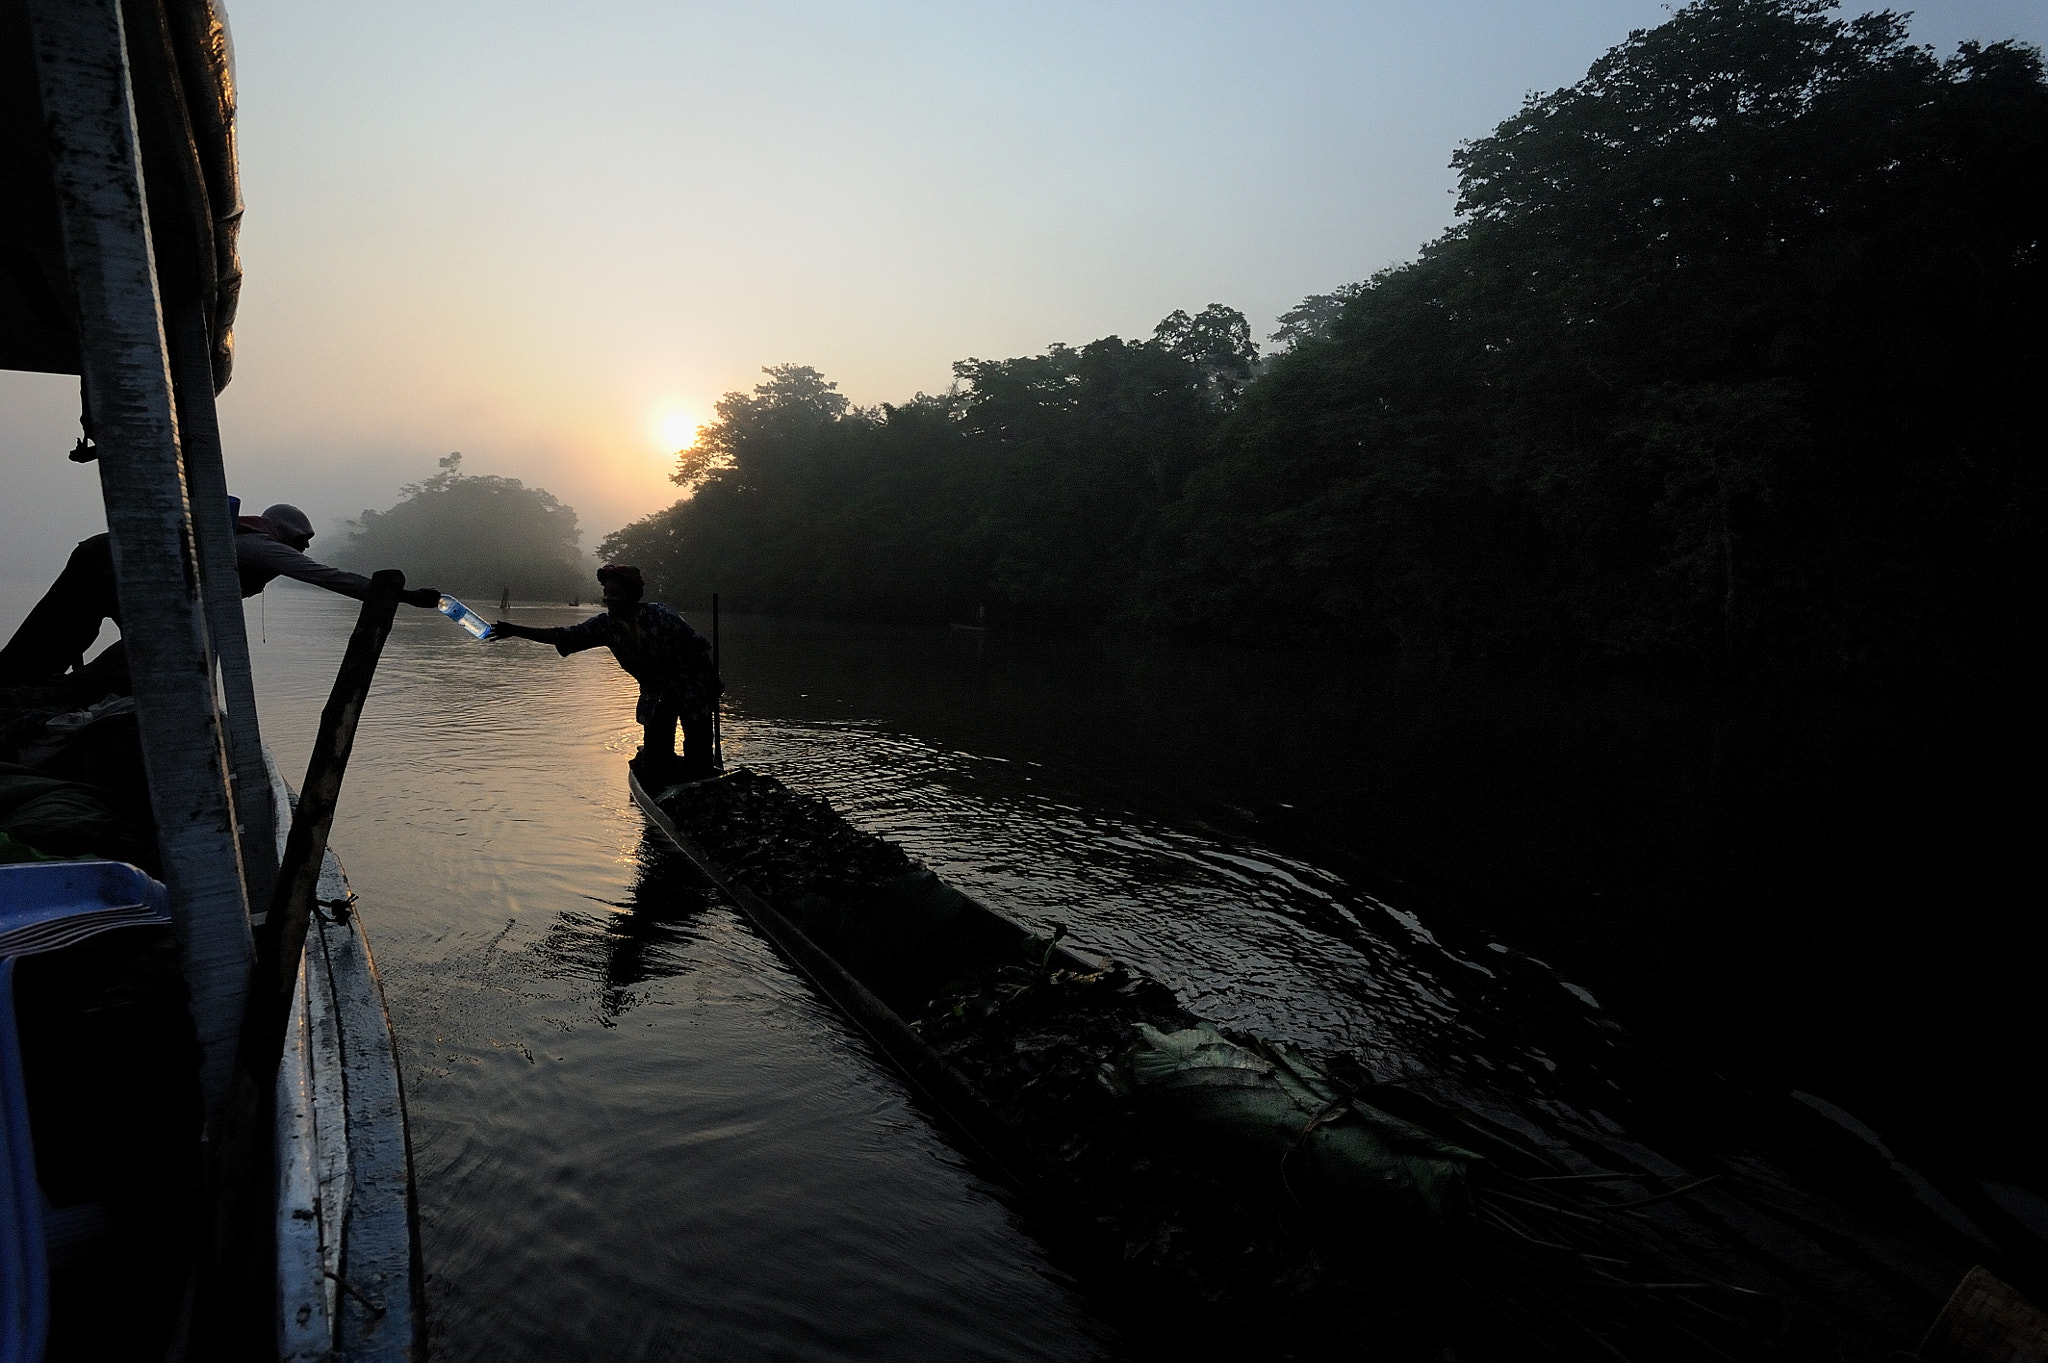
(63, 818)
(1271, 1114)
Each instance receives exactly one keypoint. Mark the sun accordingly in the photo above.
(676, 428)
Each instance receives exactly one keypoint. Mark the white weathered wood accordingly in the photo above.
(214, 531)
(325, 1054)
(378, 1234)
(330, 1105)
(88, 105)
(305, 1326)
(281, 801)
(362, 1163)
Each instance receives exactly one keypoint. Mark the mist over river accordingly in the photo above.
(638, 1135)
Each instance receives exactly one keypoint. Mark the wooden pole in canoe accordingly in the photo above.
(717, 738)
(240, 1164)
(282, 938)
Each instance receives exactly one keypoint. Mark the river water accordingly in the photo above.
(637, 1134)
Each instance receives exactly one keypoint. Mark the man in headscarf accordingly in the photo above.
(64, 623)
(658, 649)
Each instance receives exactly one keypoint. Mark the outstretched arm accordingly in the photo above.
(505, 629)
(268, 558)
(567, 639)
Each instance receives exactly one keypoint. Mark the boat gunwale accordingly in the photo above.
(362, 1230)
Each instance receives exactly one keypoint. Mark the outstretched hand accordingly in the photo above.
(424, 597)
(500, 630)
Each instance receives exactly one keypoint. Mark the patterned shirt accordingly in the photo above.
(658, 649)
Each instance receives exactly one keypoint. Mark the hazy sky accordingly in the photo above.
(550, 236)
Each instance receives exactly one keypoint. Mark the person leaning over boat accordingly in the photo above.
(658, 649)
(66, 621)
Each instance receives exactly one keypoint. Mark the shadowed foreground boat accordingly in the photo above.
(159, 1207)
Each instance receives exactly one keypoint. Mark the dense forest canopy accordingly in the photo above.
(475, 536)
(1735, 354)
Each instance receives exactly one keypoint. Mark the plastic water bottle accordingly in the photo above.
(465, 617)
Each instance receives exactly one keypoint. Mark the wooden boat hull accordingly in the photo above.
(348, 1263)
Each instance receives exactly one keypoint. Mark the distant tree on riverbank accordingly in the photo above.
(1733, 355)
(475, 535)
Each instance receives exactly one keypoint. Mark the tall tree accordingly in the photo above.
(1217, 342)
(476, 535)
(1764, 272)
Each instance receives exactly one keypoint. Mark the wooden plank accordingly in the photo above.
(330, 1108)
(323, 1056)
(246, 1133)
(305, 1330)
(88, 107)
(380, 1249)
(307, 869)
(363, 1162)
(282, 938)
(214, 532)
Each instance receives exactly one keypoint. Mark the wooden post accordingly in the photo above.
(206, 475)
(95, 158)
(282, 938)
(240, 1171)
(717, 737)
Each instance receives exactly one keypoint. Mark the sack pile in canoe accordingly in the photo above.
(781, 844)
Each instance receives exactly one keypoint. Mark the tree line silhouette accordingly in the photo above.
(1733, 354)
